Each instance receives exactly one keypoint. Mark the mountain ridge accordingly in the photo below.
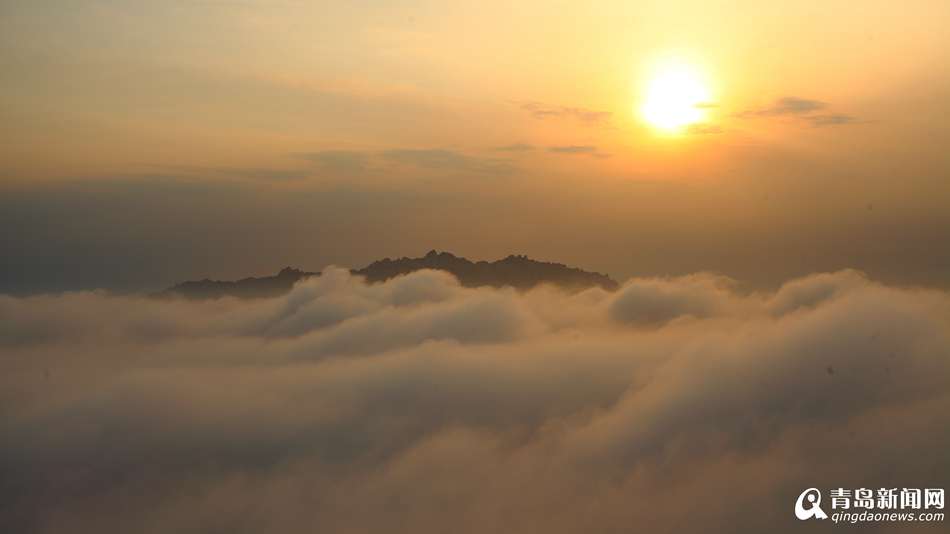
(516, 271)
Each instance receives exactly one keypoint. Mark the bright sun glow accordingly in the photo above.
(675, 97)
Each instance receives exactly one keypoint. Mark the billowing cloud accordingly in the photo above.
(654, 301)
(417, 405)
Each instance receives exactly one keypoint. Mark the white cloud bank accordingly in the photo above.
(418, 406)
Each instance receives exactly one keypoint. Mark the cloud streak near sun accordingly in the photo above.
(805, 109)
(442, 408)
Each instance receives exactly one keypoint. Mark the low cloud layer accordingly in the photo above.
(682, 405)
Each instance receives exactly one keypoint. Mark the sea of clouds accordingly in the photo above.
(420, 406)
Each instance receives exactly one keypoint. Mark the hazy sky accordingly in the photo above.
(142, 143)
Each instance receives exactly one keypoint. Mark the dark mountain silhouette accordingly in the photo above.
(265, 286)
(519, 272)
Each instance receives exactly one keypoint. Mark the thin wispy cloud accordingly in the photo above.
(544, 111)
(516, 147)
(803, 109)
(350, 162)
(704, 129)
(577, 150)
(573, 149)
(339, 161)
(447, 160)
(262, 174)
(789, 105)
(831, 120)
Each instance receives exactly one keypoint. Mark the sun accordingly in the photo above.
(675, 97)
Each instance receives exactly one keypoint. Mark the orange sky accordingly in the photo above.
(829, 106)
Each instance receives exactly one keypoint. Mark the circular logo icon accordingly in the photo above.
(808, 505)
